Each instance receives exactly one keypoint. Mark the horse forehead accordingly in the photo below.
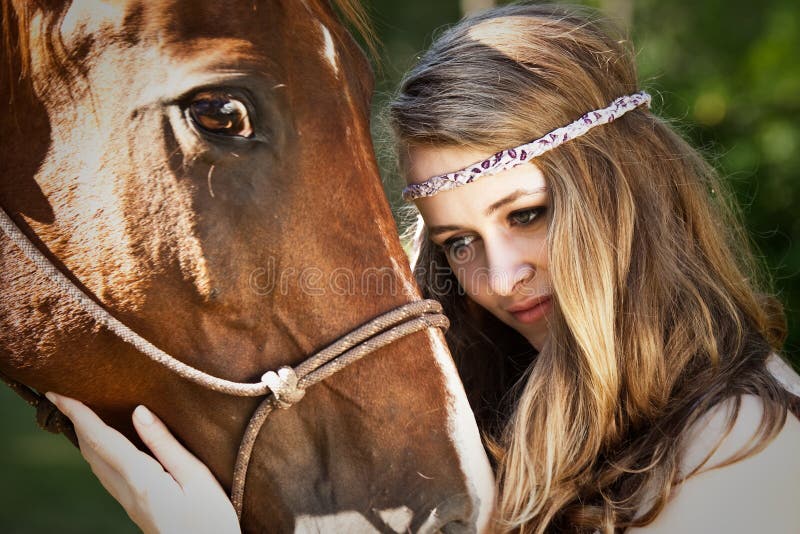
(170, 21)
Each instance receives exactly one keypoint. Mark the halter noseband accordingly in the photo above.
(281, 388)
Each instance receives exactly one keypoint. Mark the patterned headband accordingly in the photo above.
(507, 159)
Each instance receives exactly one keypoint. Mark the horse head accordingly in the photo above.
(203, 170)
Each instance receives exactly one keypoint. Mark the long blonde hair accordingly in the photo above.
(659, 315)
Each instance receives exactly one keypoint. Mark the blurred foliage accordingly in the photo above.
(725, 71)
(730, 73)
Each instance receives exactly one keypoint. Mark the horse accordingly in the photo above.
(203, 173)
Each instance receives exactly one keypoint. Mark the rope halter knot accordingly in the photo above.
(283, 385)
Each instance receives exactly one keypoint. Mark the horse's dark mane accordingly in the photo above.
(353, 13)
(15, 56)
(14, 24)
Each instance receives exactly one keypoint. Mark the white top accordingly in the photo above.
(754, 495)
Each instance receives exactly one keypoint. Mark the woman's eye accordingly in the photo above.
(220, 113)
(526, 216)
(458, 248)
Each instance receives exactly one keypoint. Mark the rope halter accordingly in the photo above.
(282, 388)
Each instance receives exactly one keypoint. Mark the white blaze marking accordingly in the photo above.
(329, 51)
(462, 428)
(341, 522)
(464, 432)
(397, 519)
(408, 285)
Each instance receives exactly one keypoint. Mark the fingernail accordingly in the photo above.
(52, 397)
(144, 415)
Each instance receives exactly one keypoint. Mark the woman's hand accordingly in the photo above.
(177, 495)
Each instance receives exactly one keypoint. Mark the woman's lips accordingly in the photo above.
(531, 310)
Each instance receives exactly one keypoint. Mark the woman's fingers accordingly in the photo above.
(184, 467)
(211, 505)
(110, 479)
(120, 467)
(97, 439)
(179, 496)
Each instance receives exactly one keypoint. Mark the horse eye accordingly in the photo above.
(220, 113)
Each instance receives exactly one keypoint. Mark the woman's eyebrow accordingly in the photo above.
(436, 230)
(512, 197)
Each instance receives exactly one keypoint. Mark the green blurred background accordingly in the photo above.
(725, 71)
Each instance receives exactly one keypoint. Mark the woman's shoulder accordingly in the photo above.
(755, 494)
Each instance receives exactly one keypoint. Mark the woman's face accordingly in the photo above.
(494, 233)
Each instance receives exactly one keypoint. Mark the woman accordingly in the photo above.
(606, 313)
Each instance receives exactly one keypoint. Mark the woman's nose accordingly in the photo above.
(507, 265)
